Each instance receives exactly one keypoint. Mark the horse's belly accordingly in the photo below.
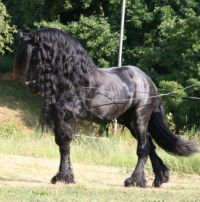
(110, 110)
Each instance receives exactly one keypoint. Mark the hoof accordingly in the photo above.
(61, 177)
(135, 181)
(163, 177)
(128, 182)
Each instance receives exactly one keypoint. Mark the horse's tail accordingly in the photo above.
(170, 142)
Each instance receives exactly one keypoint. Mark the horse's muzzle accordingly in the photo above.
(32, 86)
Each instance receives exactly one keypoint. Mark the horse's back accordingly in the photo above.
(134, 78)
(120, 89)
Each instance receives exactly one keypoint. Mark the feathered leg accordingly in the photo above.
(139, 131)
(160, 170)
(63, 137)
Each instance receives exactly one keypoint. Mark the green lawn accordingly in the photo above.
(84, 193)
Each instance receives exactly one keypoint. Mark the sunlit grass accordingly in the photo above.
(107, 151)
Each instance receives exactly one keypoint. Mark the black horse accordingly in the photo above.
(72, 87)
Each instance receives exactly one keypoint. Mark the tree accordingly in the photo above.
(24, 13)
(96, 36)
(6, 30)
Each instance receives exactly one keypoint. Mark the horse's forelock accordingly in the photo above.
(24, 50)
(22, 59)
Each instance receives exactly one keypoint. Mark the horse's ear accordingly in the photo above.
(20, 34)
(26, 37)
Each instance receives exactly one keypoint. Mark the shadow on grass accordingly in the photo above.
(16, 97)
(19, 180)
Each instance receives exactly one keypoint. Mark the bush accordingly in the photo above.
(173, 104)
(6, 30)
(185, 112)
(6, 63)
(191, 106)
(95, 35)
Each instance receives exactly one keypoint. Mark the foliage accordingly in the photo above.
(6, 63)
(161, 37)
(176, 89)
(184, 111)
(95, 34)
(192, 106)
(170, 121)
(24, 13)
(165, 37)
(6, 30)
(173, 103)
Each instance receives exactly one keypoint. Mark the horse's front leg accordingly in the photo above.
(63, 138)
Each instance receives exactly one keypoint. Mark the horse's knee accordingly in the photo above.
(63, 135)
(143, 150)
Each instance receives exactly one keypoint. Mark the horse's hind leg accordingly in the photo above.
(160, 170)
(139, 131)
(138, 177)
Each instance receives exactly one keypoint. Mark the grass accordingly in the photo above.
(109, 152)
(27, 179)
(84, 193)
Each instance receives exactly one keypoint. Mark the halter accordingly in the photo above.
(28, 83)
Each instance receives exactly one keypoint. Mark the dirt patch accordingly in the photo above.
(30, 171)
(36, 172)
(13, 118)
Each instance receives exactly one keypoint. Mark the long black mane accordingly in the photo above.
(61, 64)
